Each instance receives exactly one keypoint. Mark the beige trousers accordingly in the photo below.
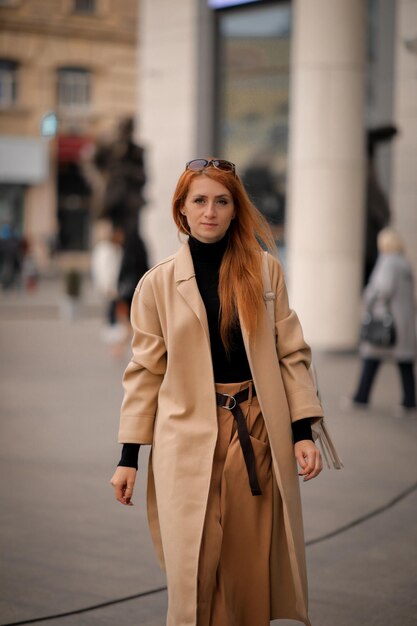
(233, 579)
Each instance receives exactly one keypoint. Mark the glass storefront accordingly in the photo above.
(253, 101)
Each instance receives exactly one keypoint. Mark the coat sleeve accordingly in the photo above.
(381, 282)
(294, 355)
(145, 372)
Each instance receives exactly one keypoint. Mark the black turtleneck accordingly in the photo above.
(227, 368)
(207, 258)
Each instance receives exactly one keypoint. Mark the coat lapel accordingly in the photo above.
(187, 286)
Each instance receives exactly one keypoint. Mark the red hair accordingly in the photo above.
(240, 282)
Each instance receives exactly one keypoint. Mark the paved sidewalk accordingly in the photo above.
(49, 301)
(66, 544)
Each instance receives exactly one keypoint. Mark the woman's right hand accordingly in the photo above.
(123, 482)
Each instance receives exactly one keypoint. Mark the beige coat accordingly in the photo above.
(169, 402)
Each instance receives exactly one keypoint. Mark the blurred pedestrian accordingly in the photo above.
(122, 163)
(10, 257)
(378, 213)
(106, 260)
(133, 266)
(391, 289)
(29, 271)
(227, 411)
(70, 306)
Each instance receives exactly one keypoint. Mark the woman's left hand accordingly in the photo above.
(309, 459)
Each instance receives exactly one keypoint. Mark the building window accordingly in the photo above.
(74, 87)
(8, 83)
(85, 6)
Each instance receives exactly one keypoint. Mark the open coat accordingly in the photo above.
(170, 403)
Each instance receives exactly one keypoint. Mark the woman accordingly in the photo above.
(391, 287)
(226, 417)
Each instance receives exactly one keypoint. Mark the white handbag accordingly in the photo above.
(319, 428)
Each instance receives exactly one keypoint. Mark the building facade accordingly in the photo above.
(288, 90)
(76, 61)
(292, 89)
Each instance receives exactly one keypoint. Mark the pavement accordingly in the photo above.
(67, 545)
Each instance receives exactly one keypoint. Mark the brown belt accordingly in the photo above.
(232, 404)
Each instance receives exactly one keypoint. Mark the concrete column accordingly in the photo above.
(168, 60)
(404, 204)
(326, 169)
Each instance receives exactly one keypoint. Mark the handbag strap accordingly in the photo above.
(319, 428)
(269, 295)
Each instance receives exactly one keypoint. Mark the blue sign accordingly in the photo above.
(49, 124)
(223, 4)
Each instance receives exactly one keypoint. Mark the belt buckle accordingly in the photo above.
(229, 407)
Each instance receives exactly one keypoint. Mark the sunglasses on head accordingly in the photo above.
(196, 165)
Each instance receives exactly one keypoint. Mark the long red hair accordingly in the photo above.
(240, 281)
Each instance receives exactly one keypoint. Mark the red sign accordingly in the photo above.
(70, 147)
